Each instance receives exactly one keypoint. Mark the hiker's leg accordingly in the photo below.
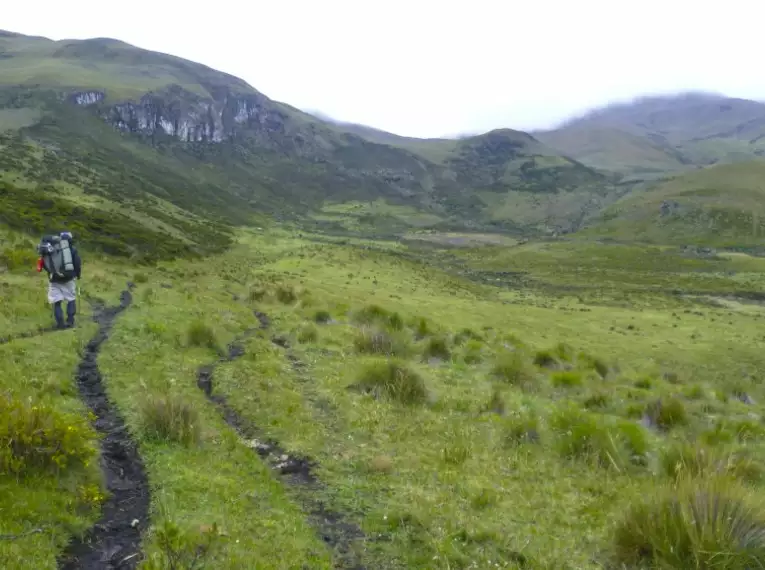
(58, 314)
(71, 309)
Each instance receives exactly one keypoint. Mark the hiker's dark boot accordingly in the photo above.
(58, 314)
(71, 309)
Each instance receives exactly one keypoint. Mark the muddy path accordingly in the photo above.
(114, 542)
(339, 534)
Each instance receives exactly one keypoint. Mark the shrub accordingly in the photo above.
(522, 427)
(687, 461)
(18, 258)
(593, 363)
(609, 443)
(322, 317)
(374, 341)
(422, 328)
(257, 294)
(545, 359)
(709, 523)
(170, 418)
(666, 414)
(496, 403)
(374, 314)
(473, 352)
(36, 436)
(286, 294)
(437, 347)
(140, 278)
(307, 333)
(393, 380)
(512, 368)
(200, 334)
(596, 400)
(187, 549)
(564, 352)
(465, 335)
(567, 378)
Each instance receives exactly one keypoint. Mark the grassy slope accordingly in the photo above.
(716, 206)
(444, 481)
(306, 160)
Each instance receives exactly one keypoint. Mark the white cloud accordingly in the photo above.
(426, 68)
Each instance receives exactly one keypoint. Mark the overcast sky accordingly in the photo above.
(426, 68)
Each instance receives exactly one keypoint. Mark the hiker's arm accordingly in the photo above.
(77, 263)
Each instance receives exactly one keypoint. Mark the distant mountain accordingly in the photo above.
(660, 134)
(169, 145)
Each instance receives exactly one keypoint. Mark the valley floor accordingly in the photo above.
(299, 403)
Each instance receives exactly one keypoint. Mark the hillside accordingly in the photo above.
(662, 134)
(170, 143)
(719, 206)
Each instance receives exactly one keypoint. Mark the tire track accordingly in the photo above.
(337, 533)
(114, 541)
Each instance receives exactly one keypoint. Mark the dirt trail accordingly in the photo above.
(114, 541)
(339, 534)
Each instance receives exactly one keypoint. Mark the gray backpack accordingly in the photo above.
(56, 253)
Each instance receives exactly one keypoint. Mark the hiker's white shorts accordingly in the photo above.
(62, 291)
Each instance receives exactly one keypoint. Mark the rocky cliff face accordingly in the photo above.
(186, 116)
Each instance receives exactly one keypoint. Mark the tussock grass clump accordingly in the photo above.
(473, 352)
(667, 414)
(200, 334)
(566, 379)
(286, 294)
(522, 427)
(437, 347)
(37, 437)
(593, 363)
(596, 400)
(257, 293)
(140, 278)
(546, 359)
(686, 460)
(707, 523)
(465, 335)
(307, 333)
(170, 418)
(393, 380)
(495, 404)
(375, 341)
(322, 317)
(611, 444)
(376, 315)
(513, 368)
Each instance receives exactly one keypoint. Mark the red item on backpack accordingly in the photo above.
(39, 265)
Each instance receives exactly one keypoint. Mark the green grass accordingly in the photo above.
(524, 440)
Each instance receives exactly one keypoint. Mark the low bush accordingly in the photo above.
(170, 418)
(667, 414)
(307, 334)
(322, 317)
(701, 523)
(609, 443)
(393, 380)
(375, 341)
(512, 367)
(36, 436)
(437, 347)
(567, 378)
(200, 334)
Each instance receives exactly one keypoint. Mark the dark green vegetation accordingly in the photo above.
(173, 144)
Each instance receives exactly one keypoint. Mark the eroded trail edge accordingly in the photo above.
(339, 534)
(114, 541)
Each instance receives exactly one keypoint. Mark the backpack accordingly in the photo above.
(56, 253)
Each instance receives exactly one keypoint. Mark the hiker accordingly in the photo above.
(60, 259)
